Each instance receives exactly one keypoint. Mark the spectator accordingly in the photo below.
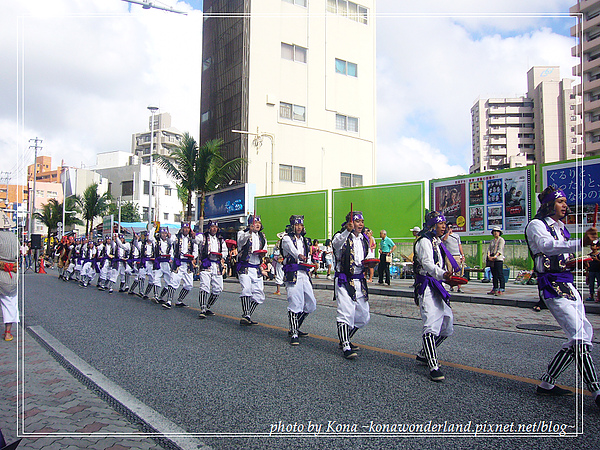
(315, 254)
(386, 248)
(495, 254)
(371, 254)
(593, 271)
(232, 261)
(452, 242)
(328, 257)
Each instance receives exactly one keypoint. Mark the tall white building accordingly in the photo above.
(166, 138)
(536, 128)
(298, 78)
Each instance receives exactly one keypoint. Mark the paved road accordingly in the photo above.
(240, 384)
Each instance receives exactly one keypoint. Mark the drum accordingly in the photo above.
(456, 281)
(578, 262)
(187, 255)
(308, 265)
(260, 252)
(370, 262)
(216, 254)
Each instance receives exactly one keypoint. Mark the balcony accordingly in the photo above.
(592, 126)
(590, 147)
(589, 46)
(589, 106)
(589, 65)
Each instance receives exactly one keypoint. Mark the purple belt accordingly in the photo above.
(295, 268)
(545, 281)
(343, 278)
(425, 280)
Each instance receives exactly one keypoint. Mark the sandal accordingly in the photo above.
(537, 308)
(7, 336)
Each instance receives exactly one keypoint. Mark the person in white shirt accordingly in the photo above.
(351, 246)
(551, 247)
(163, 255)
(252, 245)
(430, 294)
(212, 251)
(301, 298)
(120, 268)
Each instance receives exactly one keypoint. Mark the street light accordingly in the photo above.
(257, 142)
(153, 110)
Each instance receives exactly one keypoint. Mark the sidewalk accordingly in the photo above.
(56, 410)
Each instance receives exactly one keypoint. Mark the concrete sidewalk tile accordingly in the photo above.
(92, 427)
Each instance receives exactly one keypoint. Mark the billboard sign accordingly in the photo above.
(228, 202)
(477, 203)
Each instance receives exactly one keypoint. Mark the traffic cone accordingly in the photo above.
(42, 266)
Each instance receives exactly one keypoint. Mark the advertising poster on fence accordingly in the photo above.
(580, 180)
(476, 204)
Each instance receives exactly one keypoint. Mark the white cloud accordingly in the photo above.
(409, 159)
(90, 69)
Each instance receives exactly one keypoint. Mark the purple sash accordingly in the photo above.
(295, 268)
(436, 285)
(447, 254)
(243, 265)
(160, 259)
(545, 281)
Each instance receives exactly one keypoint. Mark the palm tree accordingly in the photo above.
(181, 166)
(92, 205)
(50, 216)
(213, 171)
(70, 205)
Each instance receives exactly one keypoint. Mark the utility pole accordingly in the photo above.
(31, 209)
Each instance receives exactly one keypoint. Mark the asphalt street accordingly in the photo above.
(246, 387)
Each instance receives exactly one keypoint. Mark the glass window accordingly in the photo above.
(127, 188)
(299, 174)
(340, 66)
(353, 124)
(177, 217)
(287, 51)
(206, 63)
(146, 187)
(363, 13)
(285, 172)
(353, 11)
(342, 7)
(357, 180)
(285, 110)
(167, 191)
(205, 116)
(299, 113)
(352, 70)
(345, 179)
(340, 122)
(300, 54)
(166, 216)
(332, 6)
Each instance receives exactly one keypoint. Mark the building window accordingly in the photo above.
(346, 68)
(352, 10)
(205, 116)
(146, 187)
(350, 179)
(167, 191)
(573, 118)
(166, 216)
(292, 112)
(346, 123)
(293, 52)
(127, 188)
(206, 64)
(297, 2)
(177, 217)
(293, 174)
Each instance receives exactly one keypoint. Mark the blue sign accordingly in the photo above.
(231, 202)
(581, 183)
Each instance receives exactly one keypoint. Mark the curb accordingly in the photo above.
(167, 433)
(480, 299)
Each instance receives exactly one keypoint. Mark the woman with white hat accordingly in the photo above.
(495, 254)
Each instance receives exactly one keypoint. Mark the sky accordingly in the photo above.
(79, 74)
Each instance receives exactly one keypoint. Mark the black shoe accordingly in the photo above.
(350, 354)
(436, 375)
(421, 359)
(202, 315)
(597, 400)
(245, 321)
(121, 290)
(380, 282)
(131, 293)
(110, 291)
(252, 322)
(387, 284)
(294, 340)
(180, 305)
(166, 305)
(352, 346)
(145, 297)
(554, 392)
(209, 313)
(300, 333)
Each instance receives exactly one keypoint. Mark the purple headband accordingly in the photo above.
(553, 196)
(357, 215)
(437, 219)
(297, 220)
(163, 229)
(252, 219)
(185, 224)
(213, 222)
